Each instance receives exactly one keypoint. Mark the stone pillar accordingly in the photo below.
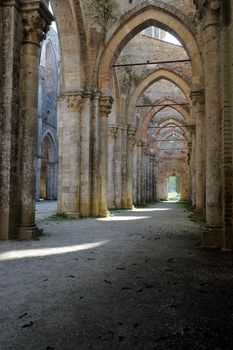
(118, 170)
(112, 133)
(139, 173)
(95, 157)
(152, 178)
(9, 121)
(193, 162)
(208, 12)
(36, 18)
(156, 167)
(148, 184)
(131, 138)
(85, 156)
(198, 110)
(227, 122)
(105, 109)
(69, 116)
(134, 173)
(143, 172)
(124, 141)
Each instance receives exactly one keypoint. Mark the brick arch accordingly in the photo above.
(153, 78)
(72, 42)
(167, 123)
(143, 126)
(139, 19)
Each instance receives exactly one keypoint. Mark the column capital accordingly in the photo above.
(74, 102)
(36, 19)
(113, 130)
(105, 103)
(208, 11)
(131, 134)
(197, 96)
(192, 128)
(145, 147)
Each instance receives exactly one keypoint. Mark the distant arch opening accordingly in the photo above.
(173, 188)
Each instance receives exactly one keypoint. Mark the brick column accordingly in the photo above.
(208, 12)
(105, 109)
(35, 18)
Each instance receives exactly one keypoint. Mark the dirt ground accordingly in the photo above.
(136, 280)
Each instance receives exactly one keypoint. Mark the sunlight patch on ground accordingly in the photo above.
(151, 209)
(124, 218)
(31, 253)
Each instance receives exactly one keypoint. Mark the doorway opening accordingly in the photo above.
(173, 188)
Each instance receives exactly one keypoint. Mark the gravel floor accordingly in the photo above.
(136, 280)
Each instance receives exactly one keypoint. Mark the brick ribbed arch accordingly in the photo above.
(170, 123)
(153, 78)
(143, 126)
(144, 17)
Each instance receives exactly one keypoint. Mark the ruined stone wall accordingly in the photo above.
(119, 7)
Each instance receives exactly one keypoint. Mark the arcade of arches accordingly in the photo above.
(123, 129)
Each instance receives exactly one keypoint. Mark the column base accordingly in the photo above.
(73, 214)
(25, 233)
(199, 214)
(212, 237)
(228, 238)
(104, 214)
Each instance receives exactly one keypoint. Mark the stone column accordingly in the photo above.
(36, 18)
(152, 179)
(69, 116)
(9, 121)
(139, 173)
(112, 134)
(85, 156)
(156, 164)
(148, 184)
(208, 12)
(193, 163)
(95, 157)
(124, 145)
(131, 139)
(143, 172)
(105, 109)
(227, 122)
(118, 169)
(134, 173)
(198, 110)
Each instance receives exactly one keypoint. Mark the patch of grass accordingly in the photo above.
(186, 204)
(59, 216)
(142, 206)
